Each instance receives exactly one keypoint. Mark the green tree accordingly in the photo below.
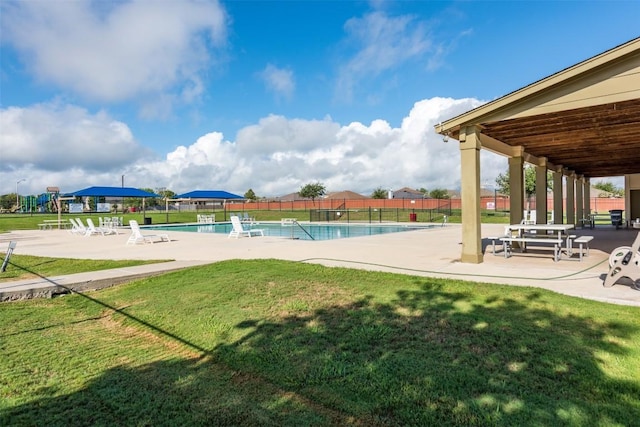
(424, 191)
(250, 195)
(502, 181)
(7, 201)
(608, 187)
(312, 191)
(439, 193)
(150, 202)
(379, 193)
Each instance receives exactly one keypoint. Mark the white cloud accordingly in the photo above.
(52, 143)
(280, 81)
(380, 43)
(120, 51)
(65, 146)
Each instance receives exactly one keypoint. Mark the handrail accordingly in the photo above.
(303, 229)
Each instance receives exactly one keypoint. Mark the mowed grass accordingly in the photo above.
(277, 343)
(22, 267)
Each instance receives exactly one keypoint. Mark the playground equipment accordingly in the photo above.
(625, 262)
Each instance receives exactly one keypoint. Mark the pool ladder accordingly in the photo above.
(293, 221)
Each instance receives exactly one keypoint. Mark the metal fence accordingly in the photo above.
(379, 215)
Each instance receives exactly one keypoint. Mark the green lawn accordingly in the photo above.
(10, 222)
(280, 343)
(26, 266)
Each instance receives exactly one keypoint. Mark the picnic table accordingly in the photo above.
(49, 224)
(538, 234)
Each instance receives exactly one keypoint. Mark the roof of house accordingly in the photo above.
(408, 190)
(350, 195)
(209, 194)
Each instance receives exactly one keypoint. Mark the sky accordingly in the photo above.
(270, 95)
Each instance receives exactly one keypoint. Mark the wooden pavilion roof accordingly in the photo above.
(584, 119)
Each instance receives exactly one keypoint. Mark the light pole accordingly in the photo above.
(17, 194)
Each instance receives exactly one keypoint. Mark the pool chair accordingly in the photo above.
(247, 218)
(92, 229)
(77, 227)
(238, 230)
(137, 236)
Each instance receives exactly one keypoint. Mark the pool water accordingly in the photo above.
(303, 231)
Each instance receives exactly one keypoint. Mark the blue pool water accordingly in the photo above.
(315, 231)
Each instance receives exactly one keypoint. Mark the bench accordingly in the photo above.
(49, 224)
(493, 242)
(556, 242)
(583, 241)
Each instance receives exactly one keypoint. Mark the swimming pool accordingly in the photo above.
(303, 231)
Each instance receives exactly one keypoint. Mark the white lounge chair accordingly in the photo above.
(137, 236)
(247, 218)
(77, 227)
(92, 229)
(238, 230)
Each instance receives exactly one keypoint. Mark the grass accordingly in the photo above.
(10, 222)
(279, 343)
(27, 266)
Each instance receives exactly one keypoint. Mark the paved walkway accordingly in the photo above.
(429, 253)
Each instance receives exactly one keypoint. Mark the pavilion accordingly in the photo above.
(580, 123)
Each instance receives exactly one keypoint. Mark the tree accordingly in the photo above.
(503, 185)
(608, 187)
(150, 202)
(439, 193)
(379, 193)
(424, 191)
(313, 191)
(7, 201)
(250, 195)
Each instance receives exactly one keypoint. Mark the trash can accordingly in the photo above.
(616, 217)
(147, 220)
(413, 217)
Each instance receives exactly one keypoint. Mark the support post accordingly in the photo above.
(541, 192)
(558, 202)
(571, 202)
(579, 199)
(516, 188)
(470, 187)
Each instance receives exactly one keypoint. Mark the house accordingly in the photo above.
(407, 193)
(346, 195)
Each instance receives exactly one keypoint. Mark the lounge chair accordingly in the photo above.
(77, 227)
(92, 229)
(137, 236)
(238, 230)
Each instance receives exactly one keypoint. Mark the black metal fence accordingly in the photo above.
(371, 215)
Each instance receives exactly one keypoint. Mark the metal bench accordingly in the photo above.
(583, 241)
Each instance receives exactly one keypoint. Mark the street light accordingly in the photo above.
(17, 194)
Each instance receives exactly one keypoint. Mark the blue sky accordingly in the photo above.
(270, 95)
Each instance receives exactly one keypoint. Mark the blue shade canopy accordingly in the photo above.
(209, 194)
(113, 192)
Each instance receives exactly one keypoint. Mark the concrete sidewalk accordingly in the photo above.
(428, 253)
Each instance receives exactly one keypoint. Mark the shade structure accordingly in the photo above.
(112, 192)
(209, 194)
